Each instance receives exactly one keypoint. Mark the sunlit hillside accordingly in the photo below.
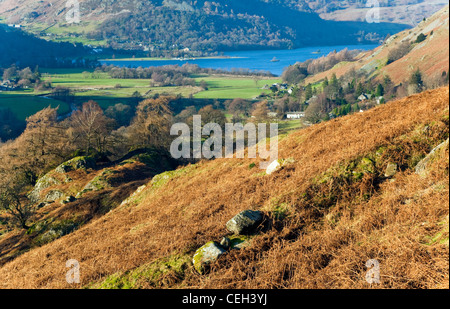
(356, 188)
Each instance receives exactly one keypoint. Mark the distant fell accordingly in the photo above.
(197, 25)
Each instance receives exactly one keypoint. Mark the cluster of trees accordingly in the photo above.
(24, 78)
(169, 29)
(399, 51)
(325, 63)
(296, 73)
(213, 26)
(403, 48)
(169, 75)
(241, 111)
(339, 97)
(171, 71)
(47, 142)
(161, 76)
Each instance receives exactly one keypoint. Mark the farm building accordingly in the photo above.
(295, 115)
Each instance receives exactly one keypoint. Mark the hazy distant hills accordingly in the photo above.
(199, 25)
(409, 12)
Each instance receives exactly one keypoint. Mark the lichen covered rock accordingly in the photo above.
(422, 166)
(98, 183)
(206, 255)
(245, 222)
(54, 195)
(43, 183)
(76, 164)
(391, 170)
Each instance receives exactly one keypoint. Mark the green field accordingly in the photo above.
(219, 87)
(102, 85)
(24, 105)
(229, 87)
(286, 126)
(108, 91)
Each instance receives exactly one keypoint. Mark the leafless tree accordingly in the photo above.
(14, 202)
(151, 125)
(91, 127)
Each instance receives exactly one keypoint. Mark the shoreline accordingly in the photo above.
(171, 59)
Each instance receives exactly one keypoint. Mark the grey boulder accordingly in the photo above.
(245, 222)
(206, 255)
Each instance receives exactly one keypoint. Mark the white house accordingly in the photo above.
(295, 115)
(362, 97)
(365, 96)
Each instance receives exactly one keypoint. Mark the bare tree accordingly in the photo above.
(317, 109)
(14, 202)
(43, 143)
(151, 125)
(91, 127)
(260, 112)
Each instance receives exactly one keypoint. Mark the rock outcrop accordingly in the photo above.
(77, 163)
(53, 178)
(422, 166)
(43, 183)
(98, 183)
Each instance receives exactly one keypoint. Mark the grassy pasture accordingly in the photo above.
(108, 91)
(25, 105)
(230, 87)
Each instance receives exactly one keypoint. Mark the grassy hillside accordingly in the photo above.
(331, 209)
(430, 56)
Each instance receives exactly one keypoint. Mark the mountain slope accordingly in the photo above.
(329, 211)
(199, 25)
(430, 56)
(409, 12)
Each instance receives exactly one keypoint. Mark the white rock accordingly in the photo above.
(273, 167)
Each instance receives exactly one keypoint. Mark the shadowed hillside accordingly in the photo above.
(337, 203)
(15, 49)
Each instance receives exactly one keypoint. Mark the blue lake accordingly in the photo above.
(256, 60)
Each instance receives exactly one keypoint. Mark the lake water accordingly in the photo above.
(256, 60)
